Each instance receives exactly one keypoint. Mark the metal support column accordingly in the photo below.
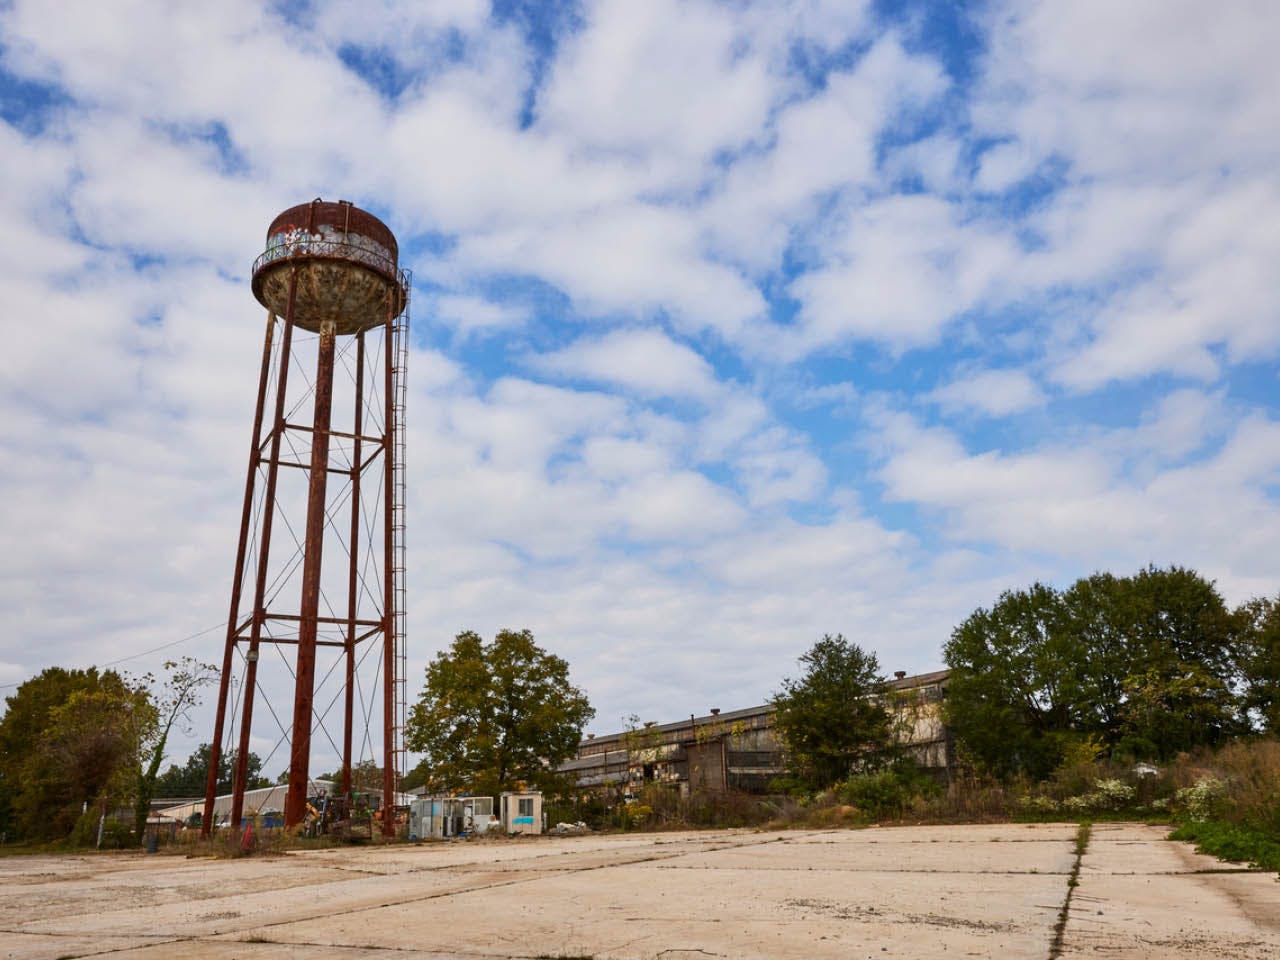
(241, 773)
(353, 571)
(388, 568)
(255, 454)
(295, 807)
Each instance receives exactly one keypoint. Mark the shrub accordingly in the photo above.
(1038, 804)
(634, 814)
(1203, 800)
(888, 794)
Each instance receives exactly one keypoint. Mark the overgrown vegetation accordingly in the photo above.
(1229, 841)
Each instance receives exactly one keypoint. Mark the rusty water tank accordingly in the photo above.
(346, 263)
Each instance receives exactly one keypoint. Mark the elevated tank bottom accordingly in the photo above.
(353, 296)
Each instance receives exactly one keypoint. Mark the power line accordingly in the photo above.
(144, 653)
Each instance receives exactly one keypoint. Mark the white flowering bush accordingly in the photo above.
(1080, 804)
(1113, 794)
(1201, 800)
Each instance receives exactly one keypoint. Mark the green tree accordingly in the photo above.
(188, 780)
(1259, 621)
(25, 719)
(1017, 683)
(1161, 649)
(832, 719)
(179, 693)
(1144, 665)
(66, 740)
(496, 714)
(88, 755)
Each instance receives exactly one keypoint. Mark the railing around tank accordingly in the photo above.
(308, 246)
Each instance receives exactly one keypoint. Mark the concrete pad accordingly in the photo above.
(1143, 849)
(27, 946)
(944, 833)
(1144, 897)
(243, 950)
(113, 883)
(1051, 856)
(247, 911)
(626, 912)
(945, 892)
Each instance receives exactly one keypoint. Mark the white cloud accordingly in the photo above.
(1155, 113)
(1092, 503)
(822, 143)
(633, 259)
(669, 98)
(1004, 165)
(899, 270)
(995, 393)
(472, 315)
(643, 361)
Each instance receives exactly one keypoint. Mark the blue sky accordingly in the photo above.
(735, 323)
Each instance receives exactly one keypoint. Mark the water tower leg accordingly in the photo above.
(300, 756)
(353, 571)
(219, 724)
(241, 775)
(389, 594)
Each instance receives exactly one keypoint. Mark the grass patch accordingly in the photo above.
(1230, 841)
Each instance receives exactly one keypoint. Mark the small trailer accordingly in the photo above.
(522, 812)
(441, 817)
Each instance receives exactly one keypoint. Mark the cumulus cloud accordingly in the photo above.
(995, 393)
(1104, 503)
(899, 270)
(476, 315)
(644, 361)
(1170, 201)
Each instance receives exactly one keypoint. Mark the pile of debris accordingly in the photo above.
(569, 829)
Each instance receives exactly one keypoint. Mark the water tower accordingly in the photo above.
(318, 590)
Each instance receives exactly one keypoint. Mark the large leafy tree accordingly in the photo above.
(496, 714)
(67, 739)
(86, 754)
(1160, 649)
(1144, 665)
(1260, 661)
(1017, 685)
(832, 718)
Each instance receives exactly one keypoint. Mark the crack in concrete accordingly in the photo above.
(1060, 928)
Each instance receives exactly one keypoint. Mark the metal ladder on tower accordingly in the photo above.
(399, 615)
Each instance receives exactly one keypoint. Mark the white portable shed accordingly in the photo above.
(522, 812)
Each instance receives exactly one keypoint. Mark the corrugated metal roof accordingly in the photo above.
(747, 713)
